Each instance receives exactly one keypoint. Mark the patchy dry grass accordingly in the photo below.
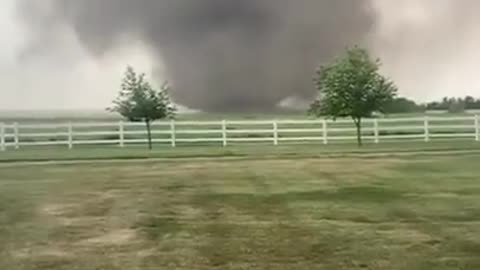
(412, 213)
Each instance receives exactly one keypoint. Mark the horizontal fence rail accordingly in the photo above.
(173, 133)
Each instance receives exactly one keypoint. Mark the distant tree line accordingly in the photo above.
(403, 105)
(448, 104)
(455, 104)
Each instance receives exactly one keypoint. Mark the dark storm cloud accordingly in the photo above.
(221, 55)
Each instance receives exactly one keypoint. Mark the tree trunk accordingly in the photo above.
(358, 124)
(149, 134)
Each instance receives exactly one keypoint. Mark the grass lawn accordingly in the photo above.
(409, 213)
(246, 151)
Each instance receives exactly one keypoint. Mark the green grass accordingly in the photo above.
(246, 151)
(415, 213)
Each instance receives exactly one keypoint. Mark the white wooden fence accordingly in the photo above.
(173, 133)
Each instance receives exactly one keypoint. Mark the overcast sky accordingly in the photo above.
(62, 79)
(426, 64)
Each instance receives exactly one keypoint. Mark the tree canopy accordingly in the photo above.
(352, 86)
(139, 101)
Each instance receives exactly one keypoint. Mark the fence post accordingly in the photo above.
(427, 129)
(224, 133)
(2, 137)
(70, 135)
(325, 132)
(376, 131)
(121, 133)
(16, 135)
(275, 132)
(174, 133)
(477, 128)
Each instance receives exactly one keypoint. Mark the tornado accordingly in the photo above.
(219, 55)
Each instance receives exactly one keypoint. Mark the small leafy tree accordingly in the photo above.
(352, 87)
(138, 101)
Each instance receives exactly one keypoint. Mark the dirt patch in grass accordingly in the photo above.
(113, 238)
(56, 210)
(40, 252)
(407, 235)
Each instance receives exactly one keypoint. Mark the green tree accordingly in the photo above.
(138, 101)
(352, 86)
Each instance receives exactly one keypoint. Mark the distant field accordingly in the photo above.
(99, 115)
(415, 213)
